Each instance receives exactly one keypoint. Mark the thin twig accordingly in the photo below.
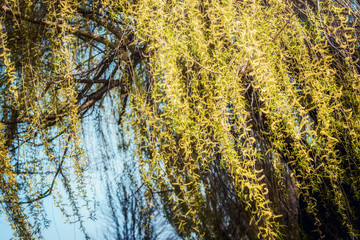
(51, 188)
(278, 34)
(137, 190)
(204, 66)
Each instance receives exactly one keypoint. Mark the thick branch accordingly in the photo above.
(91, 15)
(89, 102)
(93, 98)
(76, 31)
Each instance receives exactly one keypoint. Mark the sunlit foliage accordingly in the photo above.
(245, 114)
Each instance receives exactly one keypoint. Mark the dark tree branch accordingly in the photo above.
(93, 16)
(74, 30)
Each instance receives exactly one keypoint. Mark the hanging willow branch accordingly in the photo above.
(244, 114)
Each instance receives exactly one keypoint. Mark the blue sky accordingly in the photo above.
(59, 230)
(100, 153)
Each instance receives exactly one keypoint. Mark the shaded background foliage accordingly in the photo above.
(244, 114)
(121, 207)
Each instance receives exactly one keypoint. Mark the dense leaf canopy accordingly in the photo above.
(245, 114)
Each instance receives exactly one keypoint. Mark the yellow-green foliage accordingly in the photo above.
(217, 66)
(267, 92)
(37, 91)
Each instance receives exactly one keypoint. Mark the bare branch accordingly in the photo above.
(74, 30)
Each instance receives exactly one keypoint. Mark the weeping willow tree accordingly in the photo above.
(245, 114)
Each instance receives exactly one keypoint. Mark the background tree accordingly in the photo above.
(245, 113)
(119, 191)
(128, 217)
